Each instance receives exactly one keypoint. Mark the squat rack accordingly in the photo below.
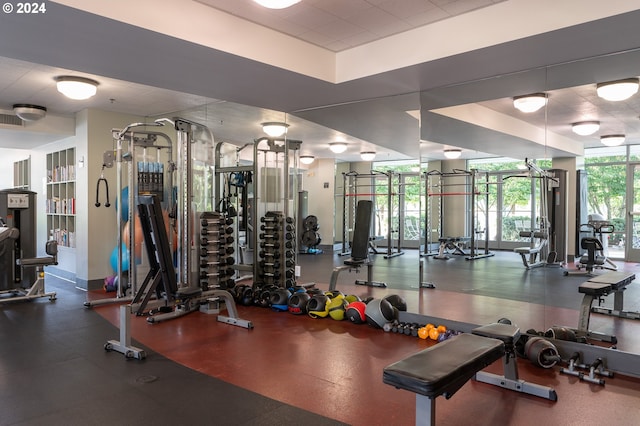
(349, 182)
(474, 180)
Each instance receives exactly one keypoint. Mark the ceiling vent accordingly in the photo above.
(10, 120)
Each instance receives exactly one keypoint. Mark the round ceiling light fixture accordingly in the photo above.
(585, 128)
(368, 155)
(453, 153)
(275, 129)
(618, 90)
(530, 103)
(307, 159)
(76, 88)
(612, 140)
(276, 4)
(28, 112)
(338, 147)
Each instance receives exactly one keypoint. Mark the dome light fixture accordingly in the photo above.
(274, 128)
(618, 90)
(276, 4)
(307, 159)
(453, 153)
(585, 128)
(76, 88)
(530, 103)
(338, 147)
(28, 112)
(612, 140)
(368, 155)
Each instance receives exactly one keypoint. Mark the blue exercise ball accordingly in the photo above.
(124, 195)
(125, 258)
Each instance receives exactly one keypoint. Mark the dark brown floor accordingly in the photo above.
(335, 368)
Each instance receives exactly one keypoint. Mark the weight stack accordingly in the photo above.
(216, 251)
(277, 251)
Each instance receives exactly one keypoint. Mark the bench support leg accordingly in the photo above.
(369, 282)
(425, 410)
(583, 322)
(511, 381)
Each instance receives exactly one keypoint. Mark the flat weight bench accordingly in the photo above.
(444, 368)
(452, 245)
(595, 289)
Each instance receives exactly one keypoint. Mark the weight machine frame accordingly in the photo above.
(474, 174)
(145, 139)
(350, 181)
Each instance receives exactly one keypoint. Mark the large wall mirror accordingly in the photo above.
(478, 122)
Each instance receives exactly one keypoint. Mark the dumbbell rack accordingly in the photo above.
(216, 251)
(277, 246)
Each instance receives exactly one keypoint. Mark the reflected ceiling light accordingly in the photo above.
(338, 147)
(585, 128)
(368, 155)
(77, 88)
(452, 153)
(612, 140)
(530, 103)
(307, 159)
(28, 112)
(618, 90)
(274, 128)
(276, 4)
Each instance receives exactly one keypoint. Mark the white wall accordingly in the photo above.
(321, 199)
(7, 158)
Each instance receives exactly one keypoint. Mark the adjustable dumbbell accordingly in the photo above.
(218, 221)
(221, 262)
(206, 231)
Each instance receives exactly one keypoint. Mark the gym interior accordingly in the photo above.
(443, 235)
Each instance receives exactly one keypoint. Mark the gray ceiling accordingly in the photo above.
(149, 74)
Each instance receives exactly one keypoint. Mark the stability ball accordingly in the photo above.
(125, 258)
(139, 238)
(124, 195)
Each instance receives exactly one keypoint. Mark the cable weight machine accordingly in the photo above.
(350, 194)
(474, 184)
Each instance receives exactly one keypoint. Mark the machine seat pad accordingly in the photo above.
(507, 333)
(442, 369)
(189, 292)
(594, 289)
(356, 262)
(37, 261)
(597, 260)
(527, 250)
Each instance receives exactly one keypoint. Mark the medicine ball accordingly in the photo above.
(351, 298)
(279, 299)
(298, 303)
(317, 306)
(337, 307)
(356, 312)
(379, 312)
(333, 294)
(397, 302)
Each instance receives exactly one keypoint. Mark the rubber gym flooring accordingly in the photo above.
(294, 369)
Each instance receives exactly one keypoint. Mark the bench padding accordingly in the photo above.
(442, 369)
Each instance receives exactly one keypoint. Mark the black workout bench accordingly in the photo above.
(444, 368)
(595, 289)
(451, 245)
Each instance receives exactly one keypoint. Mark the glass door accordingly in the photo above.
(633, 224)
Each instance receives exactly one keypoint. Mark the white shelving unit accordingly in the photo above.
(61, 197)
